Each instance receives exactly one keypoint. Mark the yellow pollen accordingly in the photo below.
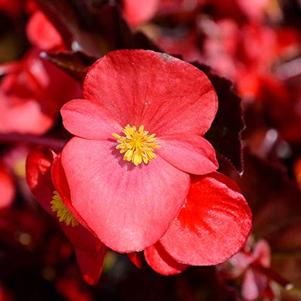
(63, 213)
(137, 145)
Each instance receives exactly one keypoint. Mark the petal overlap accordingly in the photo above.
(161, 92)
(190, 153)
(213, 224)
(160, 261)
(128, 208)
(87, 120)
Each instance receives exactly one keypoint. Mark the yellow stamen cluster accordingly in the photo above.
(63, 213)
(137, 145)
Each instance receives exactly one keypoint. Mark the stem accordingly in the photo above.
(272, 275)
(56, 144)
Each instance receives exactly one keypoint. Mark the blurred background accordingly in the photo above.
(250, 49)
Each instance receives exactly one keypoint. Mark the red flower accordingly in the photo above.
(55, 199)
(160, 107)
(32, 93)
(212, 226)
(41, 33)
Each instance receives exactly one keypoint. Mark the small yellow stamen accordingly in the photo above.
(137, 146)
(63, 213)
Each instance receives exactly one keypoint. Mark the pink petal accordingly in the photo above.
(212, 226)
(262, 253)
(250, 290)
(136, 12)
(42, 33)
(190, 153)
(26, 116)
(161, 262)
(163, 93)
(127, 207)
(86, 119)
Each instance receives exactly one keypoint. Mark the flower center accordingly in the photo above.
(63, 213)
(137, 145)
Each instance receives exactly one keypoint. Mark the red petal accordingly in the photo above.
(90, 252)
(192, 154)
(42, 33)
(26, 116)
(7, 188)
(136, 12)
(60, 183)
(127, 207)
(38, 177)
(164, 94)
(88, 248)
(160, 261)
(88, 120)
(91, 264)
(59, 179)
(212, 226)
(135, 258)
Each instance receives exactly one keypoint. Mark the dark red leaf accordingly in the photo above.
(92, 29)
(225, 132)
(74, 63)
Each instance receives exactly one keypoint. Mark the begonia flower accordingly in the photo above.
(139, 134)
(211, 227)
(47, 182)
(32, 93)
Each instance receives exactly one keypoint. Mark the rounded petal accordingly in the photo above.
(142, 87)
(38, 165)
(42, 33)
(90, 252)
(85, 119)
(90, 264)
(26, 117)
(127, 207)
(161, 262)
(136, 12)
(190, 153)
(212, 226)
(250, 287)
(136, 259)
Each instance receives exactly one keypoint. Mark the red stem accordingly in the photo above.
(272, 275)
(56, 144)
